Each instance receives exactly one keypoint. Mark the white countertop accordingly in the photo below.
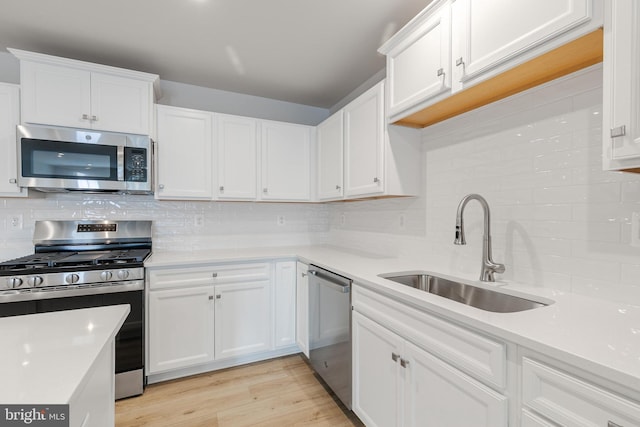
(598, 336)
(51, 353)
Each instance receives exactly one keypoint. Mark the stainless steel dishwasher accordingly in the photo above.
(330, 330)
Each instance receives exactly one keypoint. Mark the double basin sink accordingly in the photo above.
(482, 298)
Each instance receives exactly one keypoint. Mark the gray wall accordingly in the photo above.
(201, 98)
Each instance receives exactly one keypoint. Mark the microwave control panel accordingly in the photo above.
(135, 164)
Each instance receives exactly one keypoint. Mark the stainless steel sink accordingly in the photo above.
(484, 299)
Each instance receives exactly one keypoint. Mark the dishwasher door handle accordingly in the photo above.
(322, 280)
(345, 289)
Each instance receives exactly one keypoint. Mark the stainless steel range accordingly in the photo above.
(82, 264)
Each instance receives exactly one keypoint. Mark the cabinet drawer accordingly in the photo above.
(208, 275)
(475, 354)
(573, 402)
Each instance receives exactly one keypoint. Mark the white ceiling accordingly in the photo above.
(312, 52)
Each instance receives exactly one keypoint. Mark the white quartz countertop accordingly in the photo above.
(599, 336)
(47, 356)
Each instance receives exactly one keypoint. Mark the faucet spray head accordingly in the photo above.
(459, 239)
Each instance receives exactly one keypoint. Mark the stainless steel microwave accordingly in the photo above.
(62, 159)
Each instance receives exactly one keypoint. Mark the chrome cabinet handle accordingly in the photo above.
(221, 188)
(376, 180)
(214, 274)
(210, 297)
(338, 187)
(218, 296)
(303, 274)
(265, 190)
(440, 72)
(395, 357)
(404, 363)
(85, 117)
(161, 186)
(13, 181)
(94, 118)
(459, 62)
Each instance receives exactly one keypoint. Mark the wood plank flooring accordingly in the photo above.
(279, 392)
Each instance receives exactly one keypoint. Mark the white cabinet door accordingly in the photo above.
(237, 157)
(9, 119)
(120, 104)
(621, 106)
(376, 375)
(243, 318)
(302, 308)
(487, 33)
(437, 394)
(419, 68)
(65, 96)
(184, 154)
(180, 328)
(55, 95)
(330, 142)
(364, 143)
(285, 161)
(284, 315)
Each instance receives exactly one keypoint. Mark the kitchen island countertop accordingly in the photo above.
(52, 354)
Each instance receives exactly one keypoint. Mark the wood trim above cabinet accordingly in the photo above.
(566, 59)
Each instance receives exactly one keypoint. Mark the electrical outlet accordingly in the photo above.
(635, 229)
(281, 220)
(198, 220)
(15, 222)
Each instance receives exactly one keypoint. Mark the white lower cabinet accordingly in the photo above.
(242, 318)
(568, 400)
(211, 316)
(180, 328)
(284, 304)
(302, 307)
(397, 383)
(376, 376)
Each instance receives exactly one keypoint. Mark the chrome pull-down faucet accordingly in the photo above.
(489, 267)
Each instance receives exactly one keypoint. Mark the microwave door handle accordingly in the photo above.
(120, 155)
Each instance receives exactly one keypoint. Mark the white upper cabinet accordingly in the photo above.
(237, 158)
(621, 104)
(65, 92)
(380, 159)
(286, 150)
(478, 45)
(419, 67)
(330, 146)
(454, 45)
(184, 154)
(364, 143)
(9, 119)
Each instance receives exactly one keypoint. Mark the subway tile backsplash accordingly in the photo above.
(177, 225)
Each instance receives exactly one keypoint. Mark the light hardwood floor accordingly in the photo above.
(280, 392)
